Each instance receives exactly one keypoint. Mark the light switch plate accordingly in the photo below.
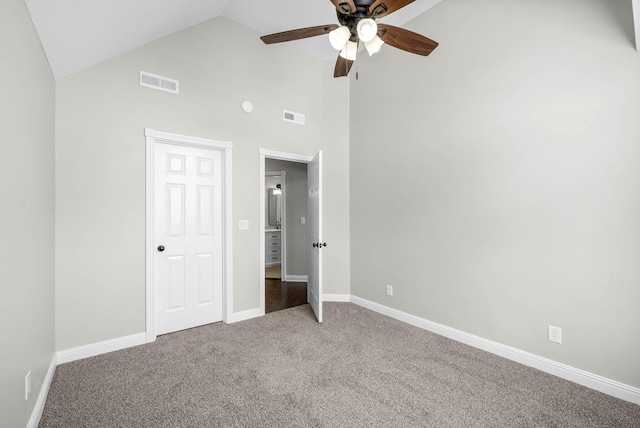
(243, 224)
(303, 220)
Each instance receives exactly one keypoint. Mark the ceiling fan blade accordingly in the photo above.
(406, 40)
(342, 67)
(300, 33)
(345, 6)
(380, 8)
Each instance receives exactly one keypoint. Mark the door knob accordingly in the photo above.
(161, 248)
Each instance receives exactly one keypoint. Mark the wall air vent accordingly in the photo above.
(290, 116)
(160, 83)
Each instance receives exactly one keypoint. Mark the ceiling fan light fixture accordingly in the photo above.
(374, 45)
(358, 23)
(339, 37)
(349, 51)
(367, 29)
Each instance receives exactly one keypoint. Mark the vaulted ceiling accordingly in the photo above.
(77, 34)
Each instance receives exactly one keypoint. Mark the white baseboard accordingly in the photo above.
(245, 315)
(581, 377)
(336, 297)
(36, 414)
(94, 349)
(296, 278)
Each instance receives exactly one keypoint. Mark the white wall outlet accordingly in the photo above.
(243, 224)
(555, 334)
(27, 386)
(389, 290)
(303, 220)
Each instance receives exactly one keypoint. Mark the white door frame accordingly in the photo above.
(271, 154)
(226, 147)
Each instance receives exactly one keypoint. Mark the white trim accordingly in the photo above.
(246, 315)
(227, 288)
(584, 378)
(93, 349)
(153, 137)
(149, 298)
(291, 157)
(36, 414)
(344, 298)
(296, 278)
(262, 216)
(178, 139)
(283, 224)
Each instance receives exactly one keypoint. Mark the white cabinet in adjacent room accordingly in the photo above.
(273, 246)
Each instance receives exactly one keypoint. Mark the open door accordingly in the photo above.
(314, 183)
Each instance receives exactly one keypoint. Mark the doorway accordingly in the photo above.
(285, 189)
(189, 236)
(285, 234)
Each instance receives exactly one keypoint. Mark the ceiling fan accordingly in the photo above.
(357, 20)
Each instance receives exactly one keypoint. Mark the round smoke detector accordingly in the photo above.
(247, 106)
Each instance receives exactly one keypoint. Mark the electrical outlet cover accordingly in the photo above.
(555, 334)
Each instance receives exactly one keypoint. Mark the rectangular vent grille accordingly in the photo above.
(292, 117)
(160, 83)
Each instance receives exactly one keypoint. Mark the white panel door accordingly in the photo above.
(187, 237)
(314, 182)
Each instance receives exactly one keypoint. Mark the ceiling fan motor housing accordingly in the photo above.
(351, 20)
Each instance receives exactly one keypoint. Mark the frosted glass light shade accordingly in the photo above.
(367, 29)
(373, 45)
(349, 51)
(339, 37)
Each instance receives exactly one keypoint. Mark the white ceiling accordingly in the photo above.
(76, 34)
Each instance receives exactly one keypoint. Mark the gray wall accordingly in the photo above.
(296, 200)
(496, 185)
(100, 173)
(26, 227)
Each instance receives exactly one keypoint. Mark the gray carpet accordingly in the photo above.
(358, 368)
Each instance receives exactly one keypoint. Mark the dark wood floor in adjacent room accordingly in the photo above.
(282, 295)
